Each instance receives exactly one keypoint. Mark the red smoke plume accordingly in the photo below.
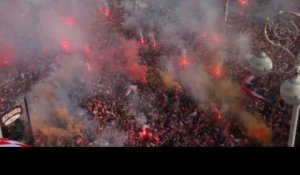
(6, 55)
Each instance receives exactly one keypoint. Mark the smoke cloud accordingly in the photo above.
(83, 41)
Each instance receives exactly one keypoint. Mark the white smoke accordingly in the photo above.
(37, 25)
(111, 137)
(134, 105)
(242, 45)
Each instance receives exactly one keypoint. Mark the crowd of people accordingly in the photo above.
(146, 116)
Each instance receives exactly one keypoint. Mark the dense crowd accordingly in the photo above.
(157, 117)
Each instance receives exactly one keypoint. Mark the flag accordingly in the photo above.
(193, 114)
(250, 80)
(132, 89)
(255, 95)
(11, 143)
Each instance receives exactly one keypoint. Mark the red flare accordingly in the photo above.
(155, 45)
(184, 63)
(105, 11)
(217, 71)
(243, 3)
(143, 41)
(145, 133)
(216, 111)
(65, 46)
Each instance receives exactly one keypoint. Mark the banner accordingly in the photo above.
(11, 116)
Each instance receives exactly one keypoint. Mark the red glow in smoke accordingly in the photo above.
(145, 133)
(216, 39)
(107, 13)
(184, 63)
(87, 50)
(65, 46)
(104, 11)
(6, 55)
(243, 3)
(261, 133)
(70, 22)
(4, 62)
(137, 73)
(217, 71)
(142, 78)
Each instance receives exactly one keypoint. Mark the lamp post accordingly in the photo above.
(226, 11)
(261, 65)
(282, 31)
(289, 90)
(290, 93)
